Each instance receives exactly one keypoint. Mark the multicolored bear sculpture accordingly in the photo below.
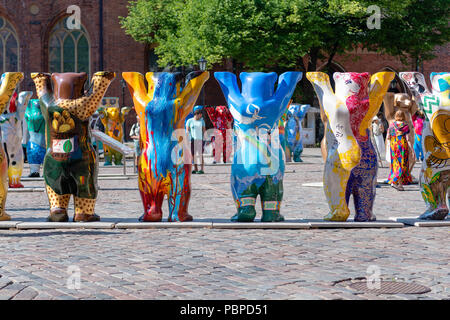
(222, 120)
(8, 85)
(36, 148)
(70, 165)
(258, 164)
(112, 118)
(12, 132)
(296, 113)
(434, 176)
(163, 168)
(351, 165)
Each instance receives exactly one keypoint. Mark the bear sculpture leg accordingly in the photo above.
(271, 194)
(362, 183)
(180, 193)
(58, 205)
(435, 195)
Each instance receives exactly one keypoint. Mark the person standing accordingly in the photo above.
(378, 130)
(399, 142)
(196, 129)
(135, 135)
(418, 119)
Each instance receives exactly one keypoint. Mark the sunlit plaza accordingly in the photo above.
(224, 150)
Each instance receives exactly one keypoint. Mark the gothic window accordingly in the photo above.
(69, 50)
(9, 47)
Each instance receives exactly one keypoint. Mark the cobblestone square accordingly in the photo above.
(205, 263)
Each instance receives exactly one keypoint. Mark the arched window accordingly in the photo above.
(69, 50)
(9, 47)
(397, 85)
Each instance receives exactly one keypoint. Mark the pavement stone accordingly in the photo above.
(26, 294)
(213, 263)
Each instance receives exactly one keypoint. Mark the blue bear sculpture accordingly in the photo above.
(296, 113)
(258, 163)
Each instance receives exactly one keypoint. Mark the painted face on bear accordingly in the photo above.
(351, 84)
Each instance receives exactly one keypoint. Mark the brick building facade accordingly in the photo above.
(34, 22)
(29, 29)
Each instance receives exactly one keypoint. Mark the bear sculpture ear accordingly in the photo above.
(440, 81)
(366, 77)
(337, 75)
(432, 75)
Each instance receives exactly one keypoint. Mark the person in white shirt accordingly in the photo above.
(135, 135)
(378, 130)
(196, 129)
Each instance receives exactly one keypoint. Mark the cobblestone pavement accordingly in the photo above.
(220, 264)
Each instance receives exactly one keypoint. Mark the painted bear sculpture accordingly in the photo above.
(296, 113)
(434, 175)
(258, 162)
(8, 84)
(221, 118)
(70, 164)
(284, 135)
(164, 168)
(112, 118)
(351, 165)
(36, 147)
(12, 133)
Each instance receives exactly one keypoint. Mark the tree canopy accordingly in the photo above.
(285, 34)
(259, 33)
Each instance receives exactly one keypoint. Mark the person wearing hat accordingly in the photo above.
(196, 128)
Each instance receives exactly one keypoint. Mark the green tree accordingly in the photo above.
(285, 34)
(412, 32)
